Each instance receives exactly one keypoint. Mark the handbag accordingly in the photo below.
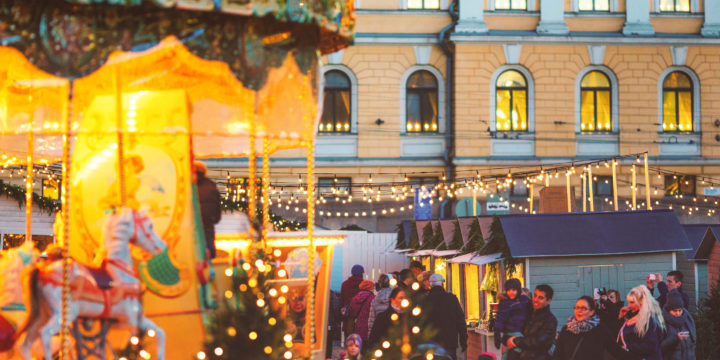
(348, 319)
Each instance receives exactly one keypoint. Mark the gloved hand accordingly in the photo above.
(498, 340)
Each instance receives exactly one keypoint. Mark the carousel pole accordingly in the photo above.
(310, 296)
(265, 190)
(614, 180)
(590, 188)
(647, 183)
(567, 189)
(65, 230)
(252, 188)
(29, 173)
(120, 141)
(583, 180)
(530, 198)
(633, 187)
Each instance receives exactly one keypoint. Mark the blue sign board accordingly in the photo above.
(423, 208)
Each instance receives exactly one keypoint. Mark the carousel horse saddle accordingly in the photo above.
(102, 278)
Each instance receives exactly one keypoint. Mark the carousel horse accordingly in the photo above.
(110, 292)
(12, 306)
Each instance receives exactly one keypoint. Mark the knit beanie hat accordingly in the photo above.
(513, 284)
(366, 285)
(674, 300)
(357, 270)
(354, 338)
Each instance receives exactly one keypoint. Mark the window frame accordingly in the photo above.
(440, 100)
(440, 5)
(423, 93)
(693, 7)
(353, 99)
(529, 6)
(335, 92)
(595, 91)
(612, 8)
(614, 112)
(695, 100)
(530, 85)
(596, 188)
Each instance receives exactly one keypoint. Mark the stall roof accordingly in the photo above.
(448, 230)
(705, 247)
(443, 252)
(419, 226)
(424, 252)
(465, 223)
(475, 259)
(696, 234)
(485, 223)
(568, 234)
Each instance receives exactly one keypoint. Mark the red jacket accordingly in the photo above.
(349, 289)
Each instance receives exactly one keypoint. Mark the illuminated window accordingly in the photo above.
(519, 188)
(511, 106)
(456, 281)
(40, 242)
(595, 103)
(675, 5)
(423, 4)
(510, 4)
(594, 5)
(602, 186)
(679, 185)
(422, 103)
(677, 103)
(336, 104)
(472, 293)
(338, 187)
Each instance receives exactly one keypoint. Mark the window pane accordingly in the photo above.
(342, 111)
(587, 111)
(502, 114)
(519, 113)
(413, 112)
(415, 4)
(585, 5)
(519, 188)
(602, 186)
(677, 79)
(455, 274)
(595, 79)
(502, 4)
(682, 5)
(429, 111)
(669, 111)
(685, 111)
(518, 4)
(422, 80)
(326, 121)
(604, 122)
(602, 5)
(472, 293)
(432, 4)
(336, 79)
(667, 5)
(511, 78)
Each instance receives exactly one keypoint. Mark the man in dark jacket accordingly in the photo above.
(383, 321)
(539, 331)
(446, 316)
(209, 198)
(674, 281)
(349, 287)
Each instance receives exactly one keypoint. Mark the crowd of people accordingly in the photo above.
(602, 326)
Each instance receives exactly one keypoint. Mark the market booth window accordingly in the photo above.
(456, 282)
(422, 103)
(472, 293)
(595, 102)
(511, 111)
(677, 103)
(336, 103)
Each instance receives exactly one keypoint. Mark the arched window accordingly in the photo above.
(595, 102)
(336, 103)
(677, 101)
(422, 102)
(511, 112)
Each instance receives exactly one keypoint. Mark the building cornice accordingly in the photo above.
(527, 37)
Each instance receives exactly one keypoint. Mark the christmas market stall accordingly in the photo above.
(125, 95)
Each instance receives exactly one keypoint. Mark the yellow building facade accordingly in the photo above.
(433, 89)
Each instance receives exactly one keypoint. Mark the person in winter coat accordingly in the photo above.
(674, 281)
(210, 211)
(382, 299)
(360, 310)
(679, 342)
(349, 287)
(446, 316)
(383, 321)
(581, 338)
(642, 328)
(539, 331)
(513, 310)
(353, 348)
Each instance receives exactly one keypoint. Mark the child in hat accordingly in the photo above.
(513, 310)
(679, 343)
(353, 348)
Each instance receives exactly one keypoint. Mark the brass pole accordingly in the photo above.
(310, 316)
(29, 172)
(647, 183)
(567, 189)
(65, 231)
(530, 199)
(474, 204)
(120, 142)
(614, 180)
(252, 188)
(633, 187)
(265, 190)
(583, 179)
(590, 188)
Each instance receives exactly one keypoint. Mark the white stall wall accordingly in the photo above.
(12, 219)
(372, 251)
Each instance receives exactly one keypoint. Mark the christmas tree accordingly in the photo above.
(414, 239)
(457, 241)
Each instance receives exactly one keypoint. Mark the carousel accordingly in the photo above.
(125, 95)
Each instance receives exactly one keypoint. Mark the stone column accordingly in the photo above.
(711, 27)
(637, 19)
(471, 17)
(552, 18)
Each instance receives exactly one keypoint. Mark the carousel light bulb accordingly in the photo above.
(416, 311)
(252, 282)
(272, 321)
(415, 330)
(394, 317)
(429, 356)
(231, 331)
(228, 294)
(151, 333)
(287, 338)
(287, 355)
(253, 335)
(284, 289)
(277, 252)
(415, 286)
(393, 281)
(386, 344)
(378, 353)
(228, 272)
(218, 351)
(134, 340)
(267, 350)
(405, 303)
(281, 300)
(260, 302)
(201, 355)
(246, 266)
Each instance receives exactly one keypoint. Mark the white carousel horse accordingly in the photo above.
(12, 306)
(92, 295)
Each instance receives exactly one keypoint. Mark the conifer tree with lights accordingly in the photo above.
(475, 237)
(497, 243)
(428, 236)
(457, 241)
(400, 243)
(250, 323)
(414, 238)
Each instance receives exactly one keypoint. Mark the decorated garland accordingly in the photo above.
(280, 223)
(17, 193)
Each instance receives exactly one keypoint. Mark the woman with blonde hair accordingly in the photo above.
(642, 329)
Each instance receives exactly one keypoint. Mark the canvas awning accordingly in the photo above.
(475, 259)
(425, 252)
(400, 251)
(442, 253)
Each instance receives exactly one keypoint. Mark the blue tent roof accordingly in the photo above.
(569, 234)
(696, 234)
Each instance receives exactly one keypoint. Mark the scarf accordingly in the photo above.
(577, 327)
